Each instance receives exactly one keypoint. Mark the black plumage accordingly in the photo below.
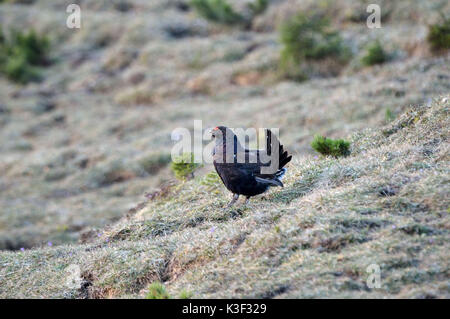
(240, 168)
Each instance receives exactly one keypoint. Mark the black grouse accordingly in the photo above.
(248, 172)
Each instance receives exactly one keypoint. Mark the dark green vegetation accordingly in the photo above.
(375, 54)
(221, 12)
(157, 291)
(439, 35)
(218, 11)
(307, 38)
(184, 166)
(389, 115)
(328, 146)
(21, 53)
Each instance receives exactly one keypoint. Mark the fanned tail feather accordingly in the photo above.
(284, 157)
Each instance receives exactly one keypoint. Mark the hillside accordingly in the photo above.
(386, 204)
(85, 155)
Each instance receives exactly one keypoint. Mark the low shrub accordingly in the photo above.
(389, 116)
(375, 54)
(183, 166)
(439, 35)
(218, 11)
(211, 180)
(184, 294)
(308, 38)
(328, 146)
(21, 53)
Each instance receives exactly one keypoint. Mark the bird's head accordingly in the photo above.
(219, 132)
(223, 135)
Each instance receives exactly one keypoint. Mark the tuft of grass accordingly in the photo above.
(184, 294)
(218, 11)
(439, 35)
(21, 53)
(156, 290)
(375, 54)
(183, 166)
(32, 46)
(328, 146)
(389, 116)
(308, 37)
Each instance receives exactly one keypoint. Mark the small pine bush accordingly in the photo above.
(21, 54)
(389, 115)
(309, 38)
(218, 11)
(17, 69)
(439, 35)
(375, 54)
(328, 146)
(32, 46)
(183, 166)
(156, 290)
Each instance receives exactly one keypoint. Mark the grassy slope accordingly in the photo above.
(387, 203)
(119, 91)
